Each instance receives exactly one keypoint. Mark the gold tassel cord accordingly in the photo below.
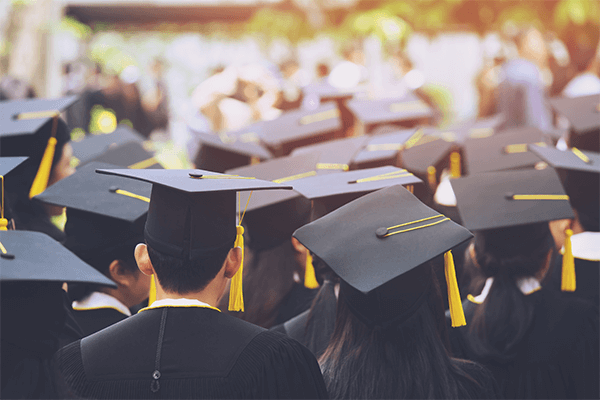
(3, 249)
(385, 147)
(144, 163)
(40, 182)
(319, 117)
(413, 139)
(580, 155)
(129, 194)
(310, 278)
(390, 175)
(236, 292)
(455, 304)
(295, 177)
(343, 167)
(3, 221)
(539, 197)
(455, 164)
(417, 227)
(152, 292)
(431, 176)
(568, 279)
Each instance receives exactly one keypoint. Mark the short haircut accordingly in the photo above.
(182, 276)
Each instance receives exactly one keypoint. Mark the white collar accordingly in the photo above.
(585, 246)
(526, 285)
(180, 302)
(98, 300)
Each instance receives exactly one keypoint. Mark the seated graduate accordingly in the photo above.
(105, 222)
(582, 232)
(328, 192)
(538, 343)
(33, 128)
(387, 341)
(182, 346)
(33, 268)
(277, 284)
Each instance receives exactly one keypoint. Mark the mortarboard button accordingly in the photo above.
(381, 232)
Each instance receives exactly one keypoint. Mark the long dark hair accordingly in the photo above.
(504, 318)
(405, 360)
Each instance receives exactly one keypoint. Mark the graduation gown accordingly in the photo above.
(97, 311)
(558, 357)
(198, 353)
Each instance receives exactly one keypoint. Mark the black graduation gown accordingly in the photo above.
(204, 354)
(295, 302)
(92, 321)
(588, 278)
(313, 328)
(558, 358)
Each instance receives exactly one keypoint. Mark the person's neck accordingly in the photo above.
(209, 295)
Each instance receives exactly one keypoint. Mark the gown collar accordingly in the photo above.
(98, 300)
(181, 302)
(526, 285)
(585, 246)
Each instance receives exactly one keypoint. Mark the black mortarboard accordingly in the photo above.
(583, 114)
(220, 152)
(334, 155)
(375, 244)
(7, 164)
(272, 217)
(383, 149)
(34, 256)
(476, 128)
(407, 111)
(26, 117)
(131, 155)
(509, 198)
(323, 92)
(300, 128)
(426, 154)
(92, 146)
(570, 159)
(506, 150)
(105, 213)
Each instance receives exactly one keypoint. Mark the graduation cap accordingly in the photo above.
(376, 245)
(334, 155)
(583, 114)
(272, 217)
(7, 164)
(407, 111)
(383, 149)
(35, 256)
(105, 213)
(477, 128)
(221, 152)
(334, 190)
(192, 214)
(507, 150)
(572, 159)
(300, 128)
(33, 128)
(131, 155)
(92, 146)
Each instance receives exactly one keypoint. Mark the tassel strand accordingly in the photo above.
(568, 281)
(456, 310)
(310, 278)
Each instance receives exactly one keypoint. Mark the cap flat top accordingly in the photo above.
(582, 112)
(245, 142)
(180, 179)
(389, 110)
(287, 169)
(92, 146)
(38, 257)
(10, 125)
(477, 128)
(384, 146)
(334, 155)
(426, 152)
(301, 124)
(130, 155)
(347, 241)
(7, 164)
(569, 159)
(90, 192)
(505, 150)
(327, 92)
(361, 181)
(484, 200)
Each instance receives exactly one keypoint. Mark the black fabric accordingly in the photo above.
(295, 302)
(31, 216)
(588, 278)
(205, 354)
(92, 321)
(313, 328)
(558, 358)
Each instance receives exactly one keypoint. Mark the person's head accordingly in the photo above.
(582, 45)
(15, 89)
(532, 45)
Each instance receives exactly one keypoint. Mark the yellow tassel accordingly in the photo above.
(310, 279)
(456, 310)
(3, 221)
(152, 292)
(568, 281)
(431, 176)
(236, 293)
(41, 178)
(3, 224)
(455, 164)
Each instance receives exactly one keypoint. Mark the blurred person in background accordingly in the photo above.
(156, 100)
(15, 89)
(351, 72)
(584, 51)
(294, 80)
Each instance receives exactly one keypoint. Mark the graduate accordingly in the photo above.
(33, 128)
(105, 222)
(537, 342)
(387, 341)
(182, 346)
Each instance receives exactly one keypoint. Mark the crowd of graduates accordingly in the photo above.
(342, 246)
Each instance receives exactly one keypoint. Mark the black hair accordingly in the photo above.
(182, 276)
(403, 360)
(583, 189)
(506, 254)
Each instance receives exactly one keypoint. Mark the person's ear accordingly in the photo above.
(299, 247)
(558, 228)
(143, 259)
(119, 273)
(233, 262)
